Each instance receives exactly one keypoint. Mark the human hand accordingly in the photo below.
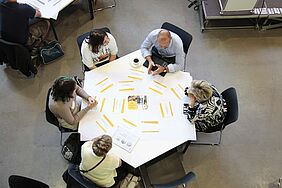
(92, 104)
(192, 100)
(159, 70)
(151, 65)
(91, 100)
(103, 56)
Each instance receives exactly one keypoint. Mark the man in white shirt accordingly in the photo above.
(98, 49)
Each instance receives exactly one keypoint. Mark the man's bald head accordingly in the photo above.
(164, 38)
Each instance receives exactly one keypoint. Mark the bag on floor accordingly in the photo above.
(71, 149)
(130, 181)
(51, 51)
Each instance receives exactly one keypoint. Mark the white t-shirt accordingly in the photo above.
(103, 175)
(90, 59)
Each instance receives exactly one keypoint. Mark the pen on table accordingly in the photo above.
(175, 93)
(136, 70)
(56, 3)
(102, 81)
(101, 126)
(126, 89)
(126, 81)
(129, 122)
(151, 131)
(134, 77)
(180, 87)
(106, 88)
(108, 120)
(155, 90)
(114, 104)
(41, 2)
(170, 107)
(162, 111)
(160, 84)
(123, 104)
(151, 122)
(103, 103)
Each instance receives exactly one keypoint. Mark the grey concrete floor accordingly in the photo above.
(251, 151)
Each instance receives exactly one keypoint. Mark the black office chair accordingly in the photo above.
(79, 41)
(16, 181)
(17, 56)
(51, 118)
(176, 183)
(74, 179)
(230, 97)
(185, 37)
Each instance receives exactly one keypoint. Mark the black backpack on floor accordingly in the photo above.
(71, 149)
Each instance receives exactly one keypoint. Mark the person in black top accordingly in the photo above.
(15, 19)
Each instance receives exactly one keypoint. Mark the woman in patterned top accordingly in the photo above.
(206, 106)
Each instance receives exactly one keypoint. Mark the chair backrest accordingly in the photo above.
(16, 181)
(50, 117)
(230, 97)
(184, 180)
(185, 37)
(76, 176)
(9, 50)
(81, 38)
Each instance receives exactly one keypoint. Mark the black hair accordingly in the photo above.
(63, 88)
(96, 39)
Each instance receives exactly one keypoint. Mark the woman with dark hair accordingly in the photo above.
(98, 49)
(63, 103)
(97, 165)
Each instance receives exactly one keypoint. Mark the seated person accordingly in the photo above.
(164, 44)
(64, 105)
(15, 25)
(206, 106)
(109, 172)
(98, 49)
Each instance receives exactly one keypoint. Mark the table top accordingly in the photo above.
(155, 130)
(49, 9)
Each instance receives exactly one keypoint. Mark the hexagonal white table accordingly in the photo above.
(156, 131)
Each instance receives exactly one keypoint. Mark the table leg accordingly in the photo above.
(53, 29)
(145, 177)
(90, 5)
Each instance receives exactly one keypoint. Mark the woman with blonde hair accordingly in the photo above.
(206, 106)
(99, 166)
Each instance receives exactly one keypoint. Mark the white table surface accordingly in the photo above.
(173, 130)
(48, 8)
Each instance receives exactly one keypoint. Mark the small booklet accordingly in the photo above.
(137, 102)
(125, 139)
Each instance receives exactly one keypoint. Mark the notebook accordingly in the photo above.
(158, 61)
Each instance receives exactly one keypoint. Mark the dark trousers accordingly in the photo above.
(169, 60)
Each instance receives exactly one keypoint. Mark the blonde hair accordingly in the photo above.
(201, 89)
(102, 145)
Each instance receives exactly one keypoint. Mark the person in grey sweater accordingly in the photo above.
(64, 105)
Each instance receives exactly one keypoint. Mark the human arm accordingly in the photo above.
(82, 93)
(179, 58)
(112, 47)
(64, 112)
(86, 56)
